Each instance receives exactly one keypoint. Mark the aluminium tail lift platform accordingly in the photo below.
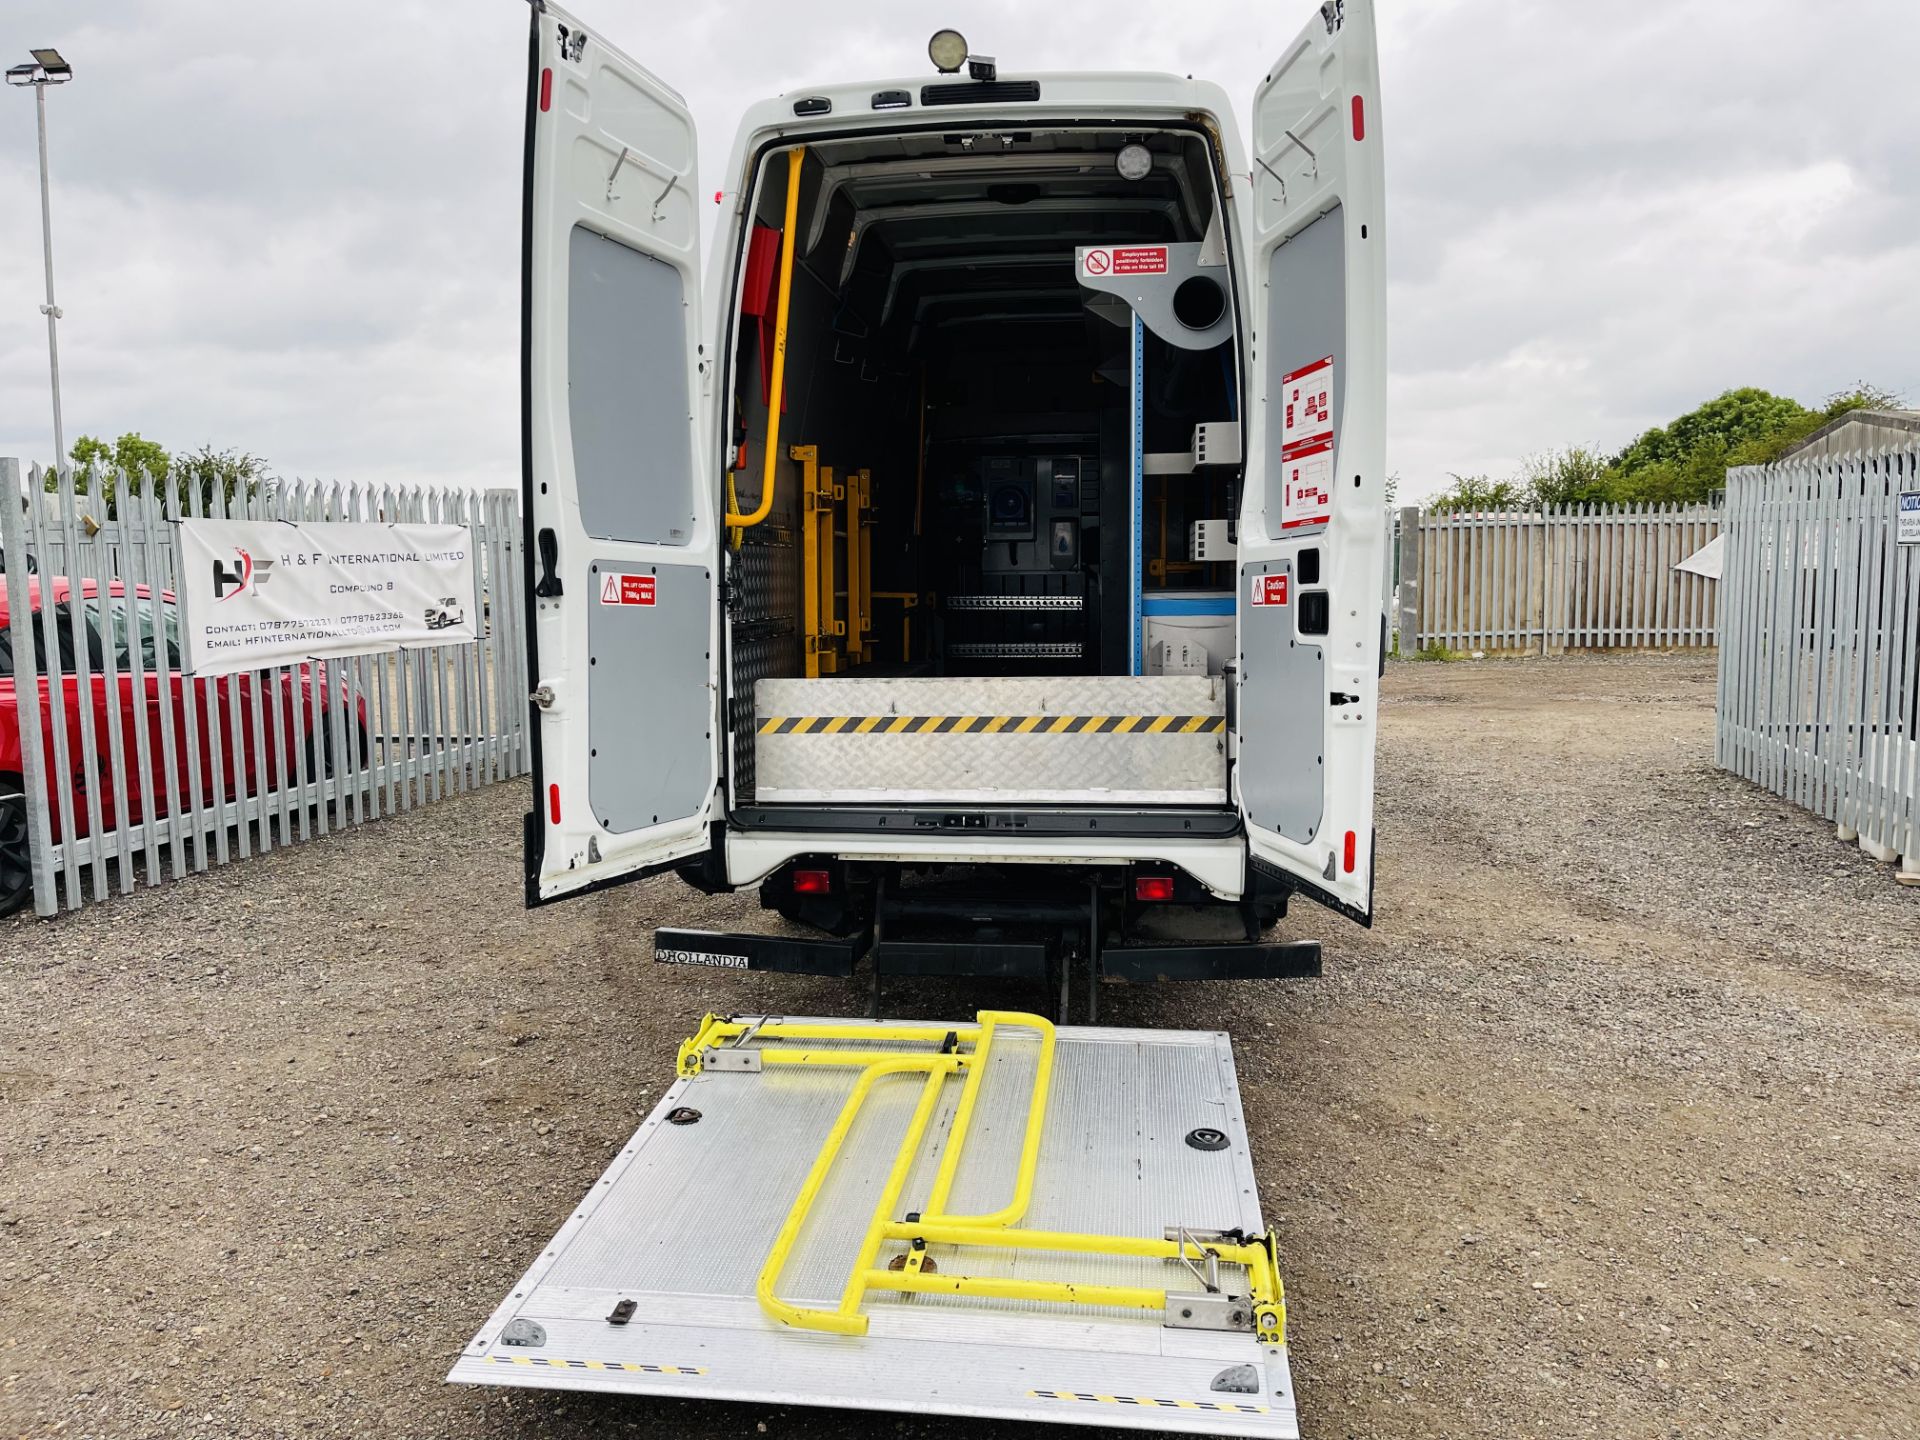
(988, 1219)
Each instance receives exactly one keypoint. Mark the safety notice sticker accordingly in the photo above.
(1306, 445)
(1270, 589)
(1125, 260)
(1306, 396)
(1140, 260)
(626, 589)
(1307, 494)
(1907, 518)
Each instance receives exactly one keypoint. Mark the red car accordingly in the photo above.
(149, 624)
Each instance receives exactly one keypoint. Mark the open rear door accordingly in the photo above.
(622, 541)
(1313, 520)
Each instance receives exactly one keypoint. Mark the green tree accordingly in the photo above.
(97, 466)
(1687, 461)
(232, 472)
(1727, 420)
(1682, 463)
(1573, 476)
(131, 453)
(1477, 492)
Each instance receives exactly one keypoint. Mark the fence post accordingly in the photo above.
(33, 778)
(1407, 600)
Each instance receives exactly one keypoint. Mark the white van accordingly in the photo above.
(987, 550)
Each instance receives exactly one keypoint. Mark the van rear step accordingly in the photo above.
(993, 1218)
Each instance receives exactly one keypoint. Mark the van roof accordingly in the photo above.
(1049, 96)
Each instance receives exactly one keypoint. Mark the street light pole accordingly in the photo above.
(50, 309)
(47, 68)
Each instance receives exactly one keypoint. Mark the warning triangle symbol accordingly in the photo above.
(610, 590)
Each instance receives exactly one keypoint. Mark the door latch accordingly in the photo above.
(549, 586)
(543, 697)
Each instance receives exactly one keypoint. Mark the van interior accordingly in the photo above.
(962, 484)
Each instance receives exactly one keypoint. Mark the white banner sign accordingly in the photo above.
(266, 592)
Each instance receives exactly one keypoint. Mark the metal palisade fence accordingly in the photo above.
(1819, 697)
(1572, 577)
(128, 769)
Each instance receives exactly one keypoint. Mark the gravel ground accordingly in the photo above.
(1607, 1128)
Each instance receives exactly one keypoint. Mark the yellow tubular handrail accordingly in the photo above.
(777, 381)
(936, 1068)
(1015, 1210)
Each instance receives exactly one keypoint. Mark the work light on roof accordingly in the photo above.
(947, 50)
(1133, 162)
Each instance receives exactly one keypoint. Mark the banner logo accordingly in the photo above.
(228, 583)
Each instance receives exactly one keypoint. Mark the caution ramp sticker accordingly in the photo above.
(1222, 1407)
(554, 1362)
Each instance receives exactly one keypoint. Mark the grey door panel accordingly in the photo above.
(649, 708)
(1283, 694)
(627, 402)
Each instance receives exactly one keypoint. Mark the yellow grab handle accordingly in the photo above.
(776, 388)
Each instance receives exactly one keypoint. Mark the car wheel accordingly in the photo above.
(16, 866)
(320, 752)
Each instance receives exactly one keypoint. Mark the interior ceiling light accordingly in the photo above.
(947, 50)
(1134, 162)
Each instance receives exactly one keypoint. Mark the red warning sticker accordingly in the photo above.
(1140, 260)
(626, 589)
(1270, 589)
(1306, 496)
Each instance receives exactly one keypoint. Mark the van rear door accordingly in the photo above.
(1313, 516)
(622, 539)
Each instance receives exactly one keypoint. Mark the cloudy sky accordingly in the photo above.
(292, 228)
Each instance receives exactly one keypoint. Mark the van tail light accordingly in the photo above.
(553, 804)
(1351, 847)
(546, 89)
(813, 882)
(1153, 887)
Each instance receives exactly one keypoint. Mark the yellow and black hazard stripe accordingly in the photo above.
(993, 724)
(1218, 1407)
(553, 1362)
